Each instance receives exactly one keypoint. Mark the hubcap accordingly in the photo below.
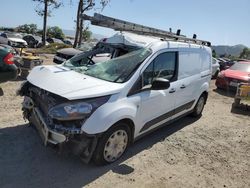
(200, 105)
(115, 145)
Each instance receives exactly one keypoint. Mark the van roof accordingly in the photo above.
(141, 41)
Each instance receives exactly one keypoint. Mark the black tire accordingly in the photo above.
(98, 156)
(197, 112)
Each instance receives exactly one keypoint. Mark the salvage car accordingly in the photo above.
(33, 41)
(67, 53)
(215, 68)
(100, 108)
(231, 77)
(12, 39)
(8, 69)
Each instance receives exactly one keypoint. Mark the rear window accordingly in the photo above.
(245, 67)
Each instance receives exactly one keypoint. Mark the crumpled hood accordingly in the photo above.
(240, 75)
(17, 40)
(70, 84)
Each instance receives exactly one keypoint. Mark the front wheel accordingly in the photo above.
(112, 144)
(199, 106)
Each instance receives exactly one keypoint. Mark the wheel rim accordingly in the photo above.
(115, 145)
(200, 105)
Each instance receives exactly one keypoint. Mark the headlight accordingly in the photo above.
(76, 110)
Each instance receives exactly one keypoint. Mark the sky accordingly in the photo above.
(223, 22)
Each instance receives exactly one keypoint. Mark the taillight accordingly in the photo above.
(9, 59)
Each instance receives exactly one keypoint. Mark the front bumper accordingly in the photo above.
(47, 135)
(80, 144)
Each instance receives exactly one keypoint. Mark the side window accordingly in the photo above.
(4, 35)
(163, 66)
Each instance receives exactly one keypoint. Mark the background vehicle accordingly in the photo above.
(8, 70)
(54, 40)
(12, 39)
(67, 53)
(231, 77)
(33, 41)
(215, 68)
(225, 63)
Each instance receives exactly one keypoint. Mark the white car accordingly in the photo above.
(215, 68)
(12, 39)
(101, 109)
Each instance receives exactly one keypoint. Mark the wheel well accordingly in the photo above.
(131, 126)
(205, 93)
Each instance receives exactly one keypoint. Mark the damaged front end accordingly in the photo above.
(59, 120)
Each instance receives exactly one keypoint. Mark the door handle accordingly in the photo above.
(172, 90)
(183, 86)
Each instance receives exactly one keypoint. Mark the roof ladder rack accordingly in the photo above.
(121, 25)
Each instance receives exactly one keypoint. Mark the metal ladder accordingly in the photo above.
(121, 25)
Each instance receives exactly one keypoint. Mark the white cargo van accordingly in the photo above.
(100, 109)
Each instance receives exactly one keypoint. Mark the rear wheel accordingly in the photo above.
(199, 106)
(112, 144)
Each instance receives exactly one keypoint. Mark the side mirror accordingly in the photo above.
(160, 84)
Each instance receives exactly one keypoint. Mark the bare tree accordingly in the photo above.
(83, 6)
(45, 11)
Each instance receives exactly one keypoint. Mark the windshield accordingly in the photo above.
(13, 35)
(119, 69)
(245, 67)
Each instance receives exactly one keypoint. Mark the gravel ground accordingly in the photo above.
(213, 151)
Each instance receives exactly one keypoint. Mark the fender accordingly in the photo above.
(109, 114)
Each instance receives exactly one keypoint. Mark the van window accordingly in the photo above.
(163, 66)
(189, 63)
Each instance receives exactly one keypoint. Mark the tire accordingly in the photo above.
(197, 112)
(105, 153)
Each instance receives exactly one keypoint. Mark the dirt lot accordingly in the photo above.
(213, 151)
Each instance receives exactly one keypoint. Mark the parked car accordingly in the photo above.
(12, 39)
(100, 108)
(67, 53)
(8, 69)
(33, 41)
(54, 40)
(231, 77)
(69, 41)
(215, 68)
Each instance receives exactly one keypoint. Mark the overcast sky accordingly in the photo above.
(224, 22)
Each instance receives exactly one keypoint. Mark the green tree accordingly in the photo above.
(44, 9)
(84, 5)
(86, 34)
(245, 54)
(27, 28)
(55, 32)
(214, 53)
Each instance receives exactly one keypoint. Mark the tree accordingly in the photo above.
(45, 11)
(55, 32)
(27, 28)
(83, 6)
(245, 54)
(214, 53)
(86, 34)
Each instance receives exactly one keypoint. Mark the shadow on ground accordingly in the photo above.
(25, 162)
(227, 93)
(242, 109)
